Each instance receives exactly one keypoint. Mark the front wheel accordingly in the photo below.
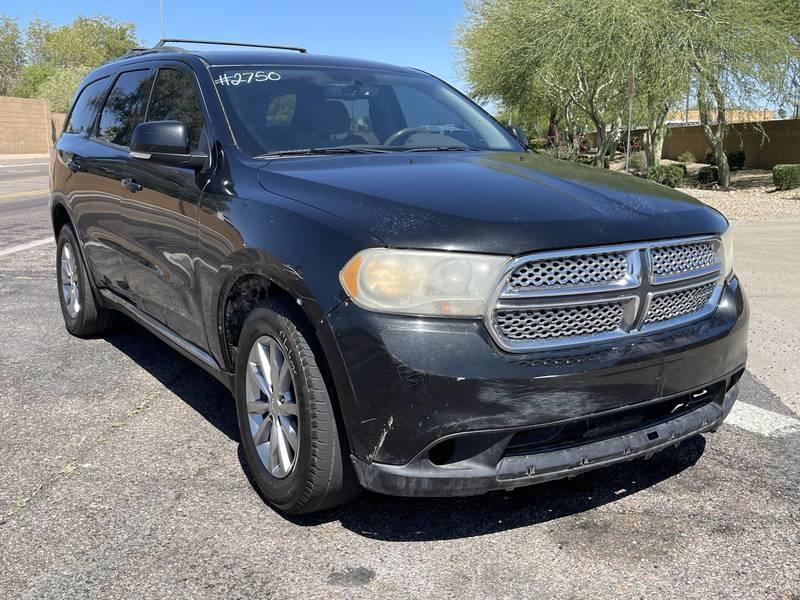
(287, 423)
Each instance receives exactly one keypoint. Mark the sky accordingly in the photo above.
(414, 33)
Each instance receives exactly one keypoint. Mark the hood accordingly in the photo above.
(491, 202)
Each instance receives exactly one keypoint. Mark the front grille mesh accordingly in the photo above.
(671, 305)
(683, 258)
(596, 293)
(559, 322)
(569, 271)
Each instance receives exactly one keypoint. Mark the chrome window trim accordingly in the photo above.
(639, 285)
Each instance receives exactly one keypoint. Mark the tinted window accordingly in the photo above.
(175, 99)
(124, 108)
(85, 108)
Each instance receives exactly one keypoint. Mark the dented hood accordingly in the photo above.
(503, 203)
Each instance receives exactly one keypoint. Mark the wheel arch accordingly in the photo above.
(254, 283)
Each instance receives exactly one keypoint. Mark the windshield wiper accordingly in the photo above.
(321, 151)
(442, 149)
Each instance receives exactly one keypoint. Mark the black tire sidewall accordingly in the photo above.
(76, 324)
(283, 493)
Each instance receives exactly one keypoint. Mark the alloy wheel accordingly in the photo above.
(272, 408)
(69, 281)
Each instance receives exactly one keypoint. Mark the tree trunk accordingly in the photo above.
(606, 141)
(601, 145)
(715, 136)
(653, 140)
(553, 136)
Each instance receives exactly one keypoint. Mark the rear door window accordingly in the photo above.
(175, 99)
(85, 108)
(124, 107)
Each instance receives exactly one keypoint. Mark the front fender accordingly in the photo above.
(295, 246)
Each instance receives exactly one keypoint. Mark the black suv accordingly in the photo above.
(399, 295)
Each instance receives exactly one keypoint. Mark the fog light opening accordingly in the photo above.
(441, 454)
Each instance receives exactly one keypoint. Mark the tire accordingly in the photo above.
(316, 474)
(83, 315)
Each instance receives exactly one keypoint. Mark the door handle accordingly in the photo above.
(73, 165)
(132, 184)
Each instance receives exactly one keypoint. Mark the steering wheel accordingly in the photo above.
(399, 137)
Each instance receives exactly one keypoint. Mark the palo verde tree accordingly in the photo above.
(577, 55)
(739, 53)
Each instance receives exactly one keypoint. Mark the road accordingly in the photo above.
(122, 476)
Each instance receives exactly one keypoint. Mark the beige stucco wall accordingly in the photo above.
(25, 126)
(782, 144)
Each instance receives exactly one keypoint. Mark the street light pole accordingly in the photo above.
(631, 90)
(162, 19)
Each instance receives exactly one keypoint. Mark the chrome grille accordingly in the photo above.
(577, 297)
(673, 305)
(570, 271)
(560, 321)
(677, 259)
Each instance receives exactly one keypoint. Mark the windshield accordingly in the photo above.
(313, 110)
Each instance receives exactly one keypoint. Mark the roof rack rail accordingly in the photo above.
(165, 41)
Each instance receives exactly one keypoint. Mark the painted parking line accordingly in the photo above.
(761, 421)
(39, 164)
(25, 246)
(24, 194)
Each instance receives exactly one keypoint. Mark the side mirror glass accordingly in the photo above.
(167, 143)
(519, 133)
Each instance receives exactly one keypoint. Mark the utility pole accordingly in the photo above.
(162, 19)
(631, 90)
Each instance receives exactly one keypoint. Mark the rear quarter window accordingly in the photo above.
(85, 107)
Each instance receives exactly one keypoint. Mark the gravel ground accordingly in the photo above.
(752, 197)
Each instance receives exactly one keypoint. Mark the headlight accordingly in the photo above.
(727, 252)
(422, 283)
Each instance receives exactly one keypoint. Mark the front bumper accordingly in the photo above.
(484, 473)
(417, 383)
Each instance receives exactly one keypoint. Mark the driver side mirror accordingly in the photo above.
(166, 143)
(519, 133)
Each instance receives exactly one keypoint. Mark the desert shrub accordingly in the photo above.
(708, 174)
(537, 143)
(638, 161)
(786, 177)
(736, 159)
(563, 152)
(585, 159)
(671, 175)
(686, 157)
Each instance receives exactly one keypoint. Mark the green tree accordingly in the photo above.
(57, 58)
(578, 54)
(59, 89)
(739, 52)
(31, 78)
(87, 41)
(564, 54)
(11, 53)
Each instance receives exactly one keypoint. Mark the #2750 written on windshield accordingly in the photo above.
(246, 77)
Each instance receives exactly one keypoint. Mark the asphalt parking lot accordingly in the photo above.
(122, 474)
